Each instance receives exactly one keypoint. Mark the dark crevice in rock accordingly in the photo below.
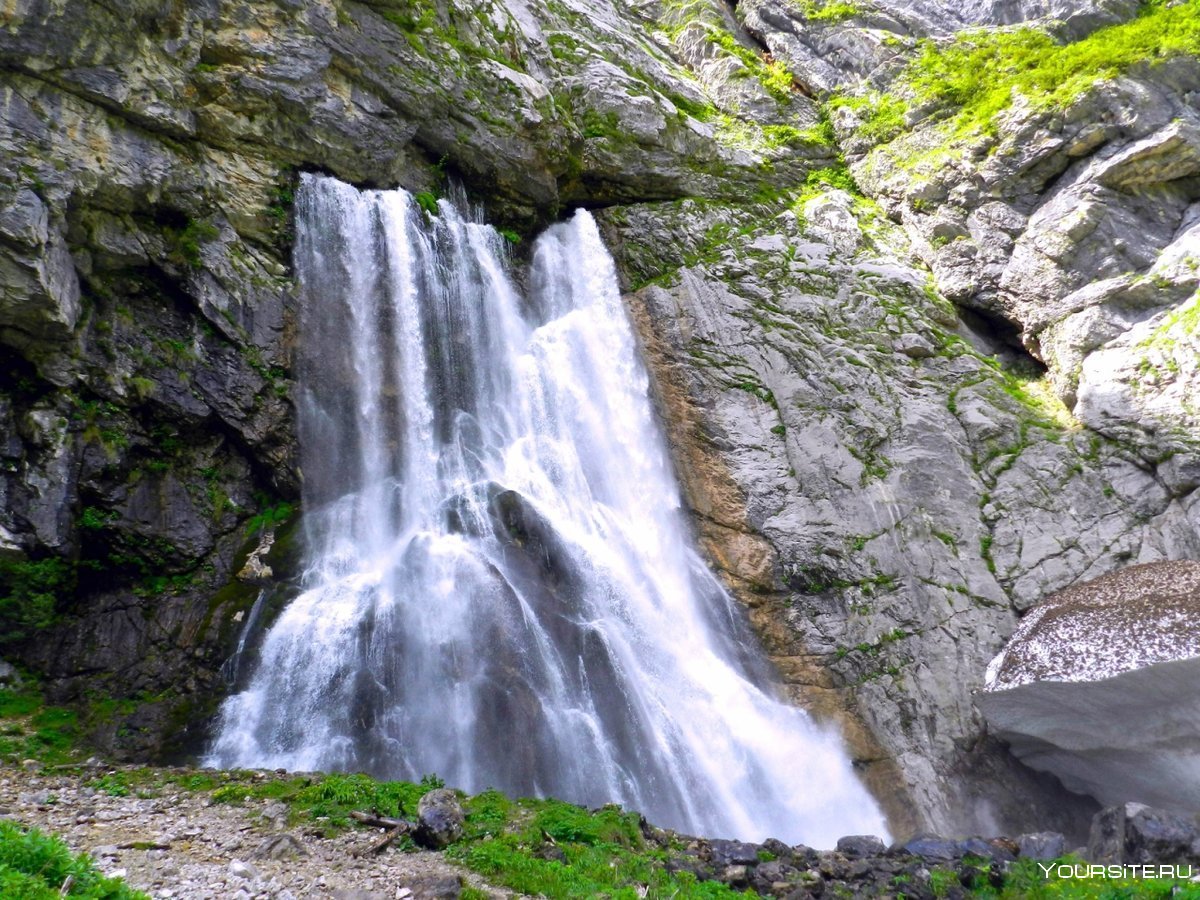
(1004, 336)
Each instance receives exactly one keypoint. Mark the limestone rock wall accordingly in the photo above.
(853, 385)
(882, 491)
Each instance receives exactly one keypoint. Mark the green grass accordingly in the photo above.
(331, 798)
(979, 74)
(269, 517)
(603, 852)
(1024, 880)
(36, 866)
(31, 730)
(183, 245)
(774, 75)
(535, 847)
(428, 201)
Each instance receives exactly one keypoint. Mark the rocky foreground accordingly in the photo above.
(182, 844)
(186, 834)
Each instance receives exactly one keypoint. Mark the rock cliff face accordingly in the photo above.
(901, 421)
(146, 301)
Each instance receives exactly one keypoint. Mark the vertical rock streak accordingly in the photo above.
(501, 587)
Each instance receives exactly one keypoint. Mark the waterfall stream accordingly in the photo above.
(501, 586)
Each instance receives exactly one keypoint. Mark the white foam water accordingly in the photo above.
(502, 588)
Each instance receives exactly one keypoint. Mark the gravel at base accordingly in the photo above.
(211, 848)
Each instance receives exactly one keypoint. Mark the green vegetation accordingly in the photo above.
(772, 74)
(32, 730)
(1026, 880)
(750, 135)
(828, 11)
(269, 517)
(29, 598)
(820, 180)
(873, 649)
(36, 866)
(535, 847)
(557, 850)
(1181, 322)
(980, 74)
(428, 201)
(282, 198)
(427, 32)
(329, 800)
(183, 245)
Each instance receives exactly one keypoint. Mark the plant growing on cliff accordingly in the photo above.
(29, 597)
(428, 201)
(183, 245)
(980, 74)
(828, 11)
(269, 517)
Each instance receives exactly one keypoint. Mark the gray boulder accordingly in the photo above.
(859, 846)
(1135, 834)
(440, 819)
(1042, 845)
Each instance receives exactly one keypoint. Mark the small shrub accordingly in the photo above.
(427, 201)
(29, 599)
(37, 866)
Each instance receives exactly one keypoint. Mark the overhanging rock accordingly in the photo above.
(1100, 685)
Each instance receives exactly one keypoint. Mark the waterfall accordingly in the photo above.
(501, 587)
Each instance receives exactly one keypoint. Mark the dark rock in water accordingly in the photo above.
(722, 854)
(1042, 845)
(439, 819)
(930, 846)
(1135, 834)
(857, 846)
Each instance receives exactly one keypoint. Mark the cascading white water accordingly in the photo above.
(501, 588)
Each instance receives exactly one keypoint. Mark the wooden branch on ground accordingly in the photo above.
(396, 828)
(381, 821)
